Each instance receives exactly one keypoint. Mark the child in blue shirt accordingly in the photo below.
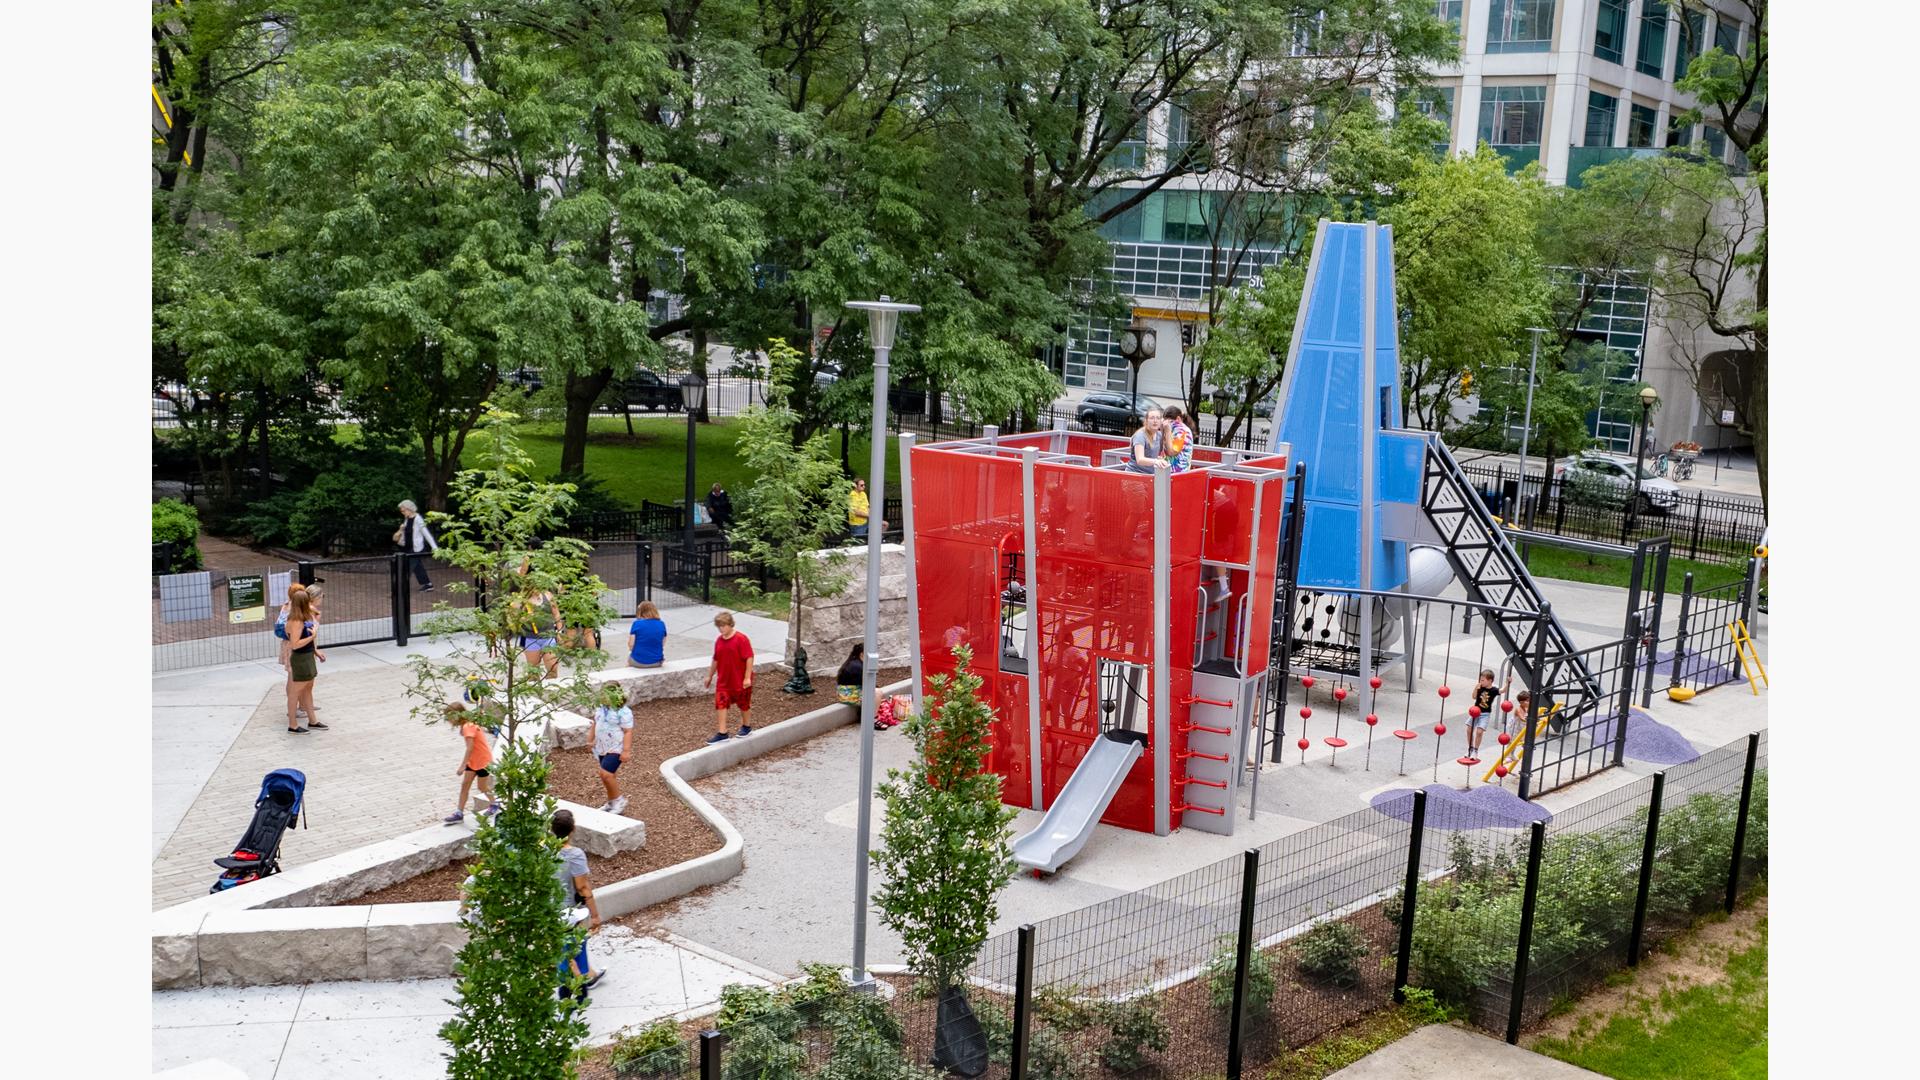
(647, 638)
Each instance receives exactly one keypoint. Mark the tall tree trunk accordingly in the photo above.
(581, 392)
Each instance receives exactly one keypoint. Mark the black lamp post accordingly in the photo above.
(1221, 399)
(693, 395)
(1648, 395)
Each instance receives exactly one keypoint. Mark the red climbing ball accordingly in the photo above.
(1505, 738)
(1372, 719)
(1306, 712)
(1445, 690)
(1500, 771)
(1506, 706)
(1339, 693)
(1304, 744)
(1439, 729)
(1306, 681)
(1473, 711)
(1374, 682)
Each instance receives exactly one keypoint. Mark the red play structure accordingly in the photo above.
(1120, 621)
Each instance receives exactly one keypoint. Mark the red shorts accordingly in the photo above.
(741, 696)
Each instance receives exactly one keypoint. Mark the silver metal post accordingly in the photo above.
(1162, 632)
(913, 592)
(1526, 429)
(1029, 573)
(1369, 447)
(882, 318)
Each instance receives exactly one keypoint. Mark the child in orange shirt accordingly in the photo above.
(474, 762)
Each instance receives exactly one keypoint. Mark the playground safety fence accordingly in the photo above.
(1704, 527)
(1499, 908)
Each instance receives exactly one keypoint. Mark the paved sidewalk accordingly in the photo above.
(1443, 1052)
(376, 772)
(390, 1030)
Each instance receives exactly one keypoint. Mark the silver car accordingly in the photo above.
(1657, 494)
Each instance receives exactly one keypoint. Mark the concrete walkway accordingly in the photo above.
(390, 1030)
(1444, 1052)
(374, 773)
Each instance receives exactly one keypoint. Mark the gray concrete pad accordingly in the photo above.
(1443, 1052)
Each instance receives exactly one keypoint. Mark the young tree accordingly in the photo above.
(1468, 276)
(798, 501)
(945, 852)
(509, 1021)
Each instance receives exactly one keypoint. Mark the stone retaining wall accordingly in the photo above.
(831, 626)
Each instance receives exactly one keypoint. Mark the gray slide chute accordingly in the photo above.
(1077, 809)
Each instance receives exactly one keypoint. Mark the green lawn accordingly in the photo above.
(1715, 1031)
(1552, 562)
(651, 463)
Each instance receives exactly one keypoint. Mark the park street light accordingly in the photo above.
(1648, 396)
(883, 317)
(693, 395)
(1221, 399)
(1138, 343)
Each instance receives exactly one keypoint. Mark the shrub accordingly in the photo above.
(270, 520)
(352, 507)
(1134, 1029)
(1331, 952)
(997, 1025)
(1696, 845)
(1261, 980)
(1057, 1005)
(1394, 906)
(1048, 1055)
(656, 1051)
(817, 994)
(176, 523)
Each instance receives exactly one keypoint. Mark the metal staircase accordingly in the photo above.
(1493, 573)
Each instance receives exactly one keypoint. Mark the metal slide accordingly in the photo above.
(1077, 809)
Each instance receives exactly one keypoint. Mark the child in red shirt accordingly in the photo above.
(733, 665)
(474, 762)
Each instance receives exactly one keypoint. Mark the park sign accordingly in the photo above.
(246, 598)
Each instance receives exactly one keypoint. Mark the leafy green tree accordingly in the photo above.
(509, 1021)
(944, 852)
(798, 501)
(1468, 276)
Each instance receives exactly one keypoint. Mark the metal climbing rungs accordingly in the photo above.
(1493, 573)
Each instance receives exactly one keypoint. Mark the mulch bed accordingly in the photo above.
(661, 730)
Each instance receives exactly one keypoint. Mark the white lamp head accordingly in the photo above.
(883, 317)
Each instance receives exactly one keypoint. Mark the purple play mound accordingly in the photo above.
(1485, 807)
(1651, 741)
(1696, 669)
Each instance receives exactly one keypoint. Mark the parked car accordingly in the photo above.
(1614, 473)
(1112, 412)
(645, 390)
(527, 379)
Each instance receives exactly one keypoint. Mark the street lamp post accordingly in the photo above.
(1647, 398)
(1526, 430)
(883, 316)
(693, 395)
(1221, 399)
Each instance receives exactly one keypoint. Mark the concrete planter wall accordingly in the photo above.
(261, 934)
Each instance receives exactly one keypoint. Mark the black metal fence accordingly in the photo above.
(1703, 653)
(1703, 527)
(1217, 971)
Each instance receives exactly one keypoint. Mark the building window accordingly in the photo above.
(1306, 33)
(1182, 131)
(1678, 134)
(1641, 124)
(1512, 115)
(1726, 38)
(1519, 26)
(1716, 142)
(1693, 42)
(1652, 57)
(1448, 11)
(1186, 218)
(1131, 154)
(1610, 31)
(1602, 111)
(1436, 103)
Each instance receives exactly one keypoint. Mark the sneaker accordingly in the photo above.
(593, 980)
(716, 737)
(454, 818)
(296, 731)
(618, 806)
(492, 810)
(316, 725)
(426, 588)
(605, 807)
(744, 731)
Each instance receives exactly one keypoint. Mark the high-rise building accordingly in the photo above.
(1568, 83)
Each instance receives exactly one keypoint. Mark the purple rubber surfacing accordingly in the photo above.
(1485, 807)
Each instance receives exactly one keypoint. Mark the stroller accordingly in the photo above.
(281, 803)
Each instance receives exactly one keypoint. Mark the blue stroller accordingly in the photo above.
(281, 803)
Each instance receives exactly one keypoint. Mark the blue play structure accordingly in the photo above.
(1387, 509)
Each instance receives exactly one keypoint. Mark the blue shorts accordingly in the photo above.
(536, 644)
(566, 973)
(610, 763)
